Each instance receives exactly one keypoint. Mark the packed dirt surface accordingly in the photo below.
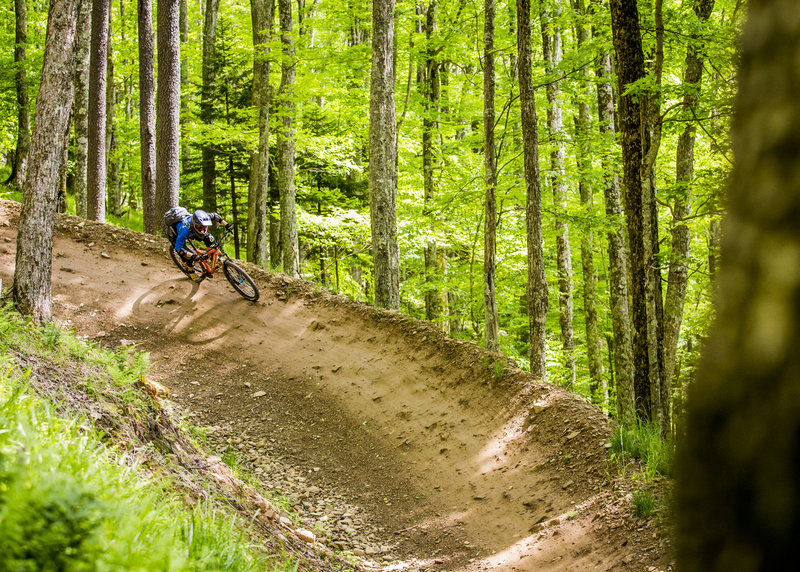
(395, 443)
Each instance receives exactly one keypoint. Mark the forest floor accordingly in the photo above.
(411, 450)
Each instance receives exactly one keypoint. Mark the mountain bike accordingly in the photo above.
(210, 259)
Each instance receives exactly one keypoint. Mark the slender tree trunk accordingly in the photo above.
(551, 43)
(286, 149)
(83, 34)
(681, 236)
(583, 134)
(20, 166)
(492, 321)
(738, 492)
(382, 163)
(630, 68)
(113, 186)
(33, 263)
(207, 96)
(147, 116)
(257, 237)
(168, 106)
(184, 24)
(537, 283)
(618, 271)
(431, 94)
(275, 248)
(96, 157)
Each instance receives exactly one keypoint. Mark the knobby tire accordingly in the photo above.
(176, 258)
(240, 281)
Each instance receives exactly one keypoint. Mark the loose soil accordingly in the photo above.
(392, 441)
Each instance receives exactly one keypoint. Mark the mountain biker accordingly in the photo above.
(195, 227)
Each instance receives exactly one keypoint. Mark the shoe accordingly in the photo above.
(193, 277)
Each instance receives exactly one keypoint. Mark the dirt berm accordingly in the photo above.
(410, 449)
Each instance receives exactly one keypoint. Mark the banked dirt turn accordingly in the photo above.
(449, 460)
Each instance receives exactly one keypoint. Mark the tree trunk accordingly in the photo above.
(681, 236)
(738, 493)
(286, 150)
(147, 117)
(96, 157)
(114, 186)
(257, 237)
(33, 264)
(382, 159)
(537, 283)
(83, 34)
(430, 123)
(20, 166)
(551, 43)
(207, 96)
(630, 68)
(492, 321)
(618, 272)
(184, 24)
(168, 106)
(583, 135)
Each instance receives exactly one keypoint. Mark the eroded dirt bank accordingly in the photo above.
(406, 446)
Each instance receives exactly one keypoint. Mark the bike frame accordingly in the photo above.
(211, 255)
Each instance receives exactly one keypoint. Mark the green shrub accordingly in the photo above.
(644, 442)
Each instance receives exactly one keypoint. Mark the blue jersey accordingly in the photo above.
(184, 230)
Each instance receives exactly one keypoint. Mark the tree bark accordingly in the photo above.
(551, 44)
(184, 24)
(630, 68)
(83, 34)
(491, 318)
(147, 116)
(431, 93)
(681, 236)
(96, 156)
(537, 283)
(257, 236)
(207, 96)
(20, 166)
(585, 188)
(286, 149)
(114, 183)
(738, 493)
(382, 159)
(618, 271)
(33, 263)
(168, 106)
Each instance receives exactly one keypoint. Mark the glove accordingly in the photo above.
(229, 226)
(194, 258)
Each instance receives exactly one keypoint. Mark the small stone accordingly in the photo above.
(572, 435)
(259, 394)
(104, 255)
(305, 535)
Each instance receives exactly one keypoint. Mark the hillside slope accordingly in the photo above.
(408, 448)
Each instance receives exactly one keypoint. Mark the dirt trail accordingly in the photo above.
(446, 460)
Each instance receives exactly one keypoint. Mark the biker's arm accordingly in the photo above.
(180, 239)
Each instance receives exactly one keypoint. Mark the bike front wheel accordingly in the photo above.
(240, 280)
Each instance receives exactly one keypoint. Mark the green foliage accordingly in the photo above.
(643, 502)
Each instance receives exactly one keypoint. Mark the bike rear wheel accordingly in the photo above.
(240, 280)
(176, 258)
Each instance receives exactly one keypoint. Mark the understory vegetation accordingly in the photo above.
(72, 494)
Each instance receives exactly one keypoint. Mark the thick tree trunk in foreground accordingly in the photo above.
(20, 166)
(537, 283)
(96, 157)
(382, 159)
(168, 106)
(738, 491)
(257, 236)
(83, 34)
(207, 95)
(286, 148)
(147, 117)
(491, 319)
(33, 263)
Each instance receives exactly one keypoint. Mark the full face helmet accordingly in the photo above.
(201, 220)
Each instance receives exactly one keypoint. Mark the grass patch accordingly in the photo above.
(643, 502)
(644, 442)
(72, 500)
